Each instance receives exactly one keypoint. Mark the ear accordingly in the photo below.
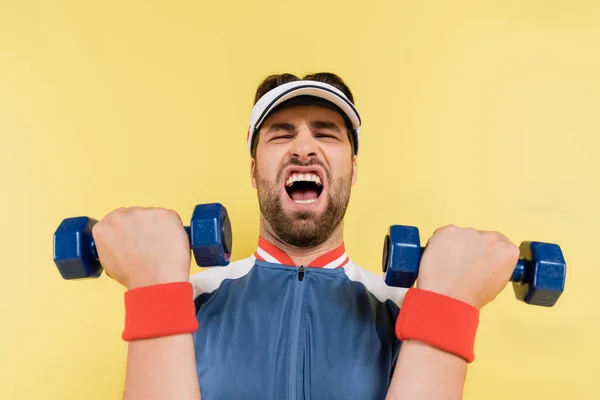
(354, 169)
(252, 166)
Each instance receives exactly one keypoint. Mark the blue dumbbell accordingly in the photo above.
(538, 278)
(76, 256)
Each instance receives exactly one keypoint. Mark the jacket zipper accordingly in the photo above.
(295, 330)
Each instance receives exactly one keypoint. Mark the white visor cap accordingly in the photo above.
(287, 91)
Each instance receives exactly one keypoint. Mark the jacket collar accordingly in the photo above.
(268, 252)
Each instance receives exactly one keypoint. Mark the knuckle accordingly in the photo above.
(138, 212)
(167, 211)
(514, 251)
(472, 231)
(98, 230)
(450, 228)
(469, 233)
(491, 238)
(164, 212)
(116, 214)
(118, 218)
(120, 211)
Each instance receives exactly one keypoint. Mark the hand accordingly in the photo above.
(143, 246)
(470, 265)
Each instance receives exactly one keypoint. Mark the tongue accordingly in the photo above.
(304, 194)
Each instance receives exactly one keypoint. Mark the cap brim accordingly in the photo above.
(314, 91)
(290, 90)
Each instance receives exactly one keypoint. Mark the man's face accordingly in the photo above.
(303, 173)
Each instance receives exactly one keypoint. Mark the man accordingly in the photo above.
(298, 319)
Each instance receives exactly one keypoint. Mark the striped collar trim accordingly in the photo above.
(336, 258)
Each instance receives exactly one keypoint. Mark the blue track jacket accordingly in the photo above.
(272, 330)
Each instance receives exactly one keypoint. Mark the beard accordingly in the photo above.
(303, 229)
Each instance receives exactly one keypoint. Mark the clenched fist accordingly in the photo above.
(470, 265)
(143, 246)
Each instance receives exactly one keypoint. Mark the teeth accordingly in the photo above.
(305, 201)
(298, 177)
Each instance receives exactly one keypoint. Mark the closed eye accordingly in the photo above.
(282, 137)
(326, 135)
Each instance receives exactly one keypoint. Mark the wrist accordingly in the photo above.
(154, 280)
(440, 321)
(452, 291)
(432, 351)
(159, 310)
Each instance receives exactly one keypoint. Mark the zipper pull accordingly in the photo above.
(301, 273)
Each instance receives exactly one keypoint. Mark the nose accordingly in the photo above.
(304, 147)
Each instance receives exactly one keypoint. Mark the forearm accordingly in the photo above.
(425, 372)
(162, 368)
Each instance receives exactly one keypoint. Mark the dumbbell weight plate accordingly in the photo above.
(542, 280)
(75, 252)
(211, 235)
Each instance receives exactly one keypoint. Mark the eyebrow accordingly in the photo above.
(314, 125)
(282, 126)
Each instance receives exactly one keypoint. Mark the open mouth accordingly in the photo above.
(304, 187)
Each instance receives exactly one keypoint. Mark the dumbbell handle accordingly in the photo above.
(94, 251)
(519, 272)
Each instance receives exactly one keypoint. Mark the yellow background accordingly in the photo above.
(477, 113)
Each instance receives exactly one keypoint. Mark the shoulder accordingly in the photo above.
(209, 280)
(375, 284)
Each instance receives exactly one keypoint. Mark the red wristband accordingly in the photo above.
(440, 321)
(159, 310)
